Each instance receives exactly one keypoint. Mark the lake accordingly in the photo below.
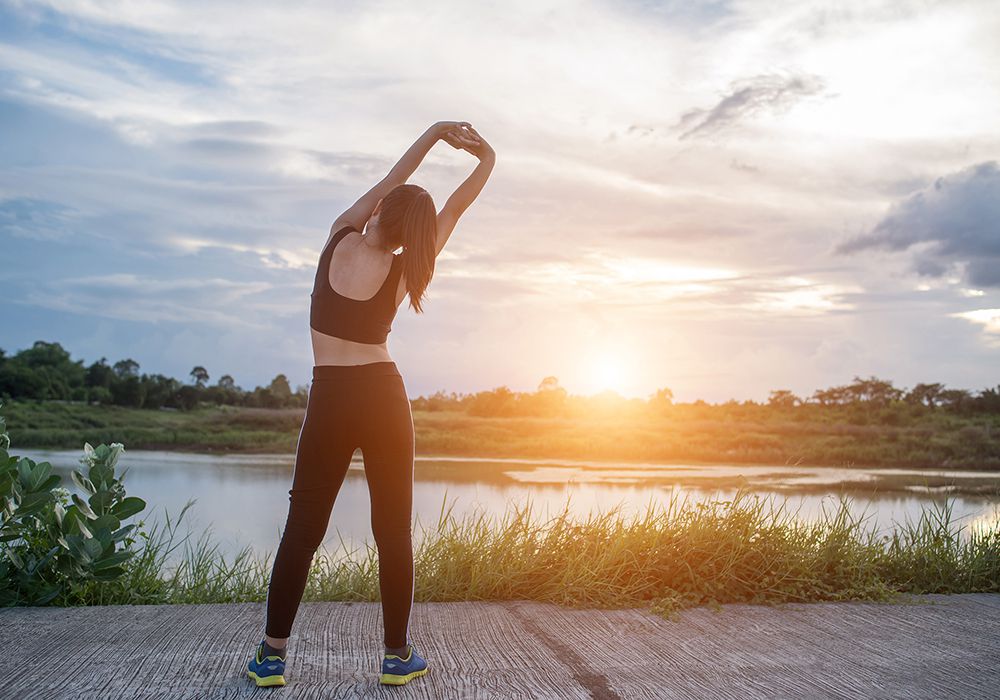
(244, 498)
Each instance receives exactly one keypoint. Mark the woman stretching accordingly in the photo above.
(357, 398)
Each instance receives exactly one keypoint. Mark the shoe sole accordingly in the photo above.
(393, 679)
(267, 681)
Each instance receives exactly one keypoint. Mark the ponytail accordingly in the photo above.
(409, 219)
(419, 246)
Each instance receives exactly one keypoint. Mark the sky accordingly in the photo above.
(722, 198)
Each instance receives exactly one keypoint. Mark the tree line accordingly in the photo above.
(861, 401)
(45, 372)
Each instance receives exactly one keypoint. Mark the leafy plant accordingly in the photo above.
(55, 545)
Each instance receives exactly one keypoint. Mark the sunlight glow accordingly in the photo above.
(606, 371)
(647, 270)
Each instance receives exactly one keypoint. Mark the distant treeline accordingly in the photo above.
(862, 401)
(46, 372)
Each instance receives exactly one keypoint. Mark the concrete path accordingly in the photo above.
(935, 647)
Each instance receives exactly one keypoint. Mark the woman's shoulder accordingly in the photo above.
(339, 226)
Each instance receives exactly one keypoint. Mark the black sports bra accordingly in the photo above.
(360, 320)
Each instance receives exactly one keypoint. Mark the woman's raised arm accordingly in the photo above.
(467, 192)
(359, 212)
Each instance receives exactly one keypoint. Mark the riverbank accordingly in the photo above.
(518, 649)
(935, 441)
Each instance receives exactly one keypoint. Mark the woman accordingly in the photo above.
(357, 398)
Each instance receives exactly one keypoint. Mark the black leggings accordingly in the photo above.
(350, 407)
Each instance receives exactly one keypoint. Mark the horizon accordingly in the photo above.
(806, 398)
(721, 198)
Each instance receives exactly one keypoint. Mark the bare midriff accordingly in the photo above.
(329, 350)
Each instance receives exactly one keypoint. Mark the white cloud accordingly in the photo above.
(989, 319)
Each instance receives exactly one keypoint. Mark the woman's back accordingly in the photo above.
(355, 298)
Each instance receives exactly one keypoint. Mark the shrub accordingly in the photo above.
(56, 545)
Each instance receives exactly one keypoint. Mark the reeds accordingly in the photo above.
(677, 553)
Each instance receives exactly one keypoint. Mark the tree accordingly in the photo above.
(783, 398)
(43, 371)
(227, 382)
(187, 397)
(280, 390)
(100, 374)
(200, 376)
(126, 368)
(662, 398)
(160, 390)
(129, 391)
(499, 401)
(549, 384)
(925, 394)
(956, 399)
(873, 390)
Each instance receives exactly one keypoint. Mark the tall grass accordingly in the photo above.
(676, 554)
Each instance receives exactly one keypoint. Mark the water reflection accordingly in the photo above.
(243, 499)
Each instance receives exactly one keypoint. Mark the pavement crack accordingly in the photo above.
(595, 683)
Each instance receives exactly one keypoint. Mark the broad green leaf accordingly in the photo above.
(128, 507)
(39, 474)
(121, 534)
(84, 507)
(33, 503)
(24, 468)
(105, 522)
(93, 548)
(70, 520)
(82, 482)
(97, 475)
(84, 528)
(101, 501)
(112, 560)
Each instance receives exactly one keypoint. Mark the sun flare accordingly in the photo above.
(607, 371)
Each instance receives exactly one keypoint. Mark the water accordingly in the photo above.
(243, 499)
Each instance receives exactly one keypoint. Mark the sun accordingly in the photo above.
(607, 371)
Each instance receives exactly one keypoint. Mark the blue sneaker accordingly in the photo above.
(267, 672)
(396, 670)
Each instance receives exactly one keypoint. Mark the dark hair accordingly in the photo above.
(408, 219)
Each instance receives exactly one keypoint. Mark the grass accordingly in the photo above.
(678, 554)
(707, 434)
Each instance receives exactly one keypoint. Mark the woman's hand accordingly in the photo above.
(442, 129)
(467, 138)
(459, 137)
(479, 147)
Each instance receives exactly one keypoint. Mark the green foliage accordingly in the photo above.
(57, 545)
(45, 372)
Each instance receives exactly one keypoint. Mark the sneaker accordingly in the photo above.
(267, 672)
(396, 670)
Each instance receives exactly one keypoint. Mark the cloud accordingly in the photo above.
(746, 98)
(953, 223)
(126, 296)
(989, 319)
(35, 218)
